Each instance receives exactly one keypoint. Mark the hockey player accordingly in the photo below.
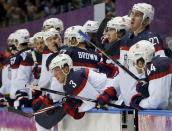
(142, 15)
(82, 82)
(17, 93)
(116, 29)
(53, 44)
(155, 93)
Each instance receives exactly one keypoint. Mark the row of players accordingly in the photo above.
(77, 68)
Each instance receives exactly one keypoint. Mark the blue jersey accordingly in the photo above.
(82, 58)
(76, 81)
(16, 59)
(158, 68)
(129, 39)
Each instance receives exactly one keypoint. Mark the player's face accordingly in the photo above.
(51, 41)
(140, 66)
(112, 35)
(59, 75)
(57, 41)
(39, 43)
(136, 20)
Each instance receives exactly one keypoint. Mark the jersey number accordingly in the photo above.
(72, 83)
(152, 68)
(154, 40)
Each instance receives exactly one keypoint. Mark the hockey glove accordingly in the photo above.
(40, 101)
(22, 99)
(142, 88)
(36, 94)
(71, 106)
(2, 100)
(36, 72)
(104, 39)
(104, 98)
(135, 100)
(110, 70)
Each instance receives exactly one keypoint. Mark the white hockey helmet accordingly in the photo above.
(66, 33)
(49, 33)
(11, 36)
(91, 26)
(55, 23)
(147, 10)
(119, 23)
(38, 35)
(60, 61)
(73, 32)
(22, 35)
(142, 49)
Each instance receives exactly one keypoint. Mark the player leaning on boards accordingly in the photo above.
(81, 82)
(158, 70)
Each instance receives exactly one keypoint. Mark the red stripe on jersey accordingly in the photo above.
(15, 66)
(116, 57)
(160, 47)
(98, 51)
(47, 52)
(39, 63)
(84, 64)
(75, 93)
(124, 48)
(26, 64)
(162, 74)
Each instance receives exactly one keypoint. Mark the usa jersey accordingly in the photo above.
(15, 61)
(25, 73)
(86, 83)
(82, 58)
(159, 74)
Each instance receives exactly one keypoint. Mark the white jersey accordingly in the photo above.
(46, 76)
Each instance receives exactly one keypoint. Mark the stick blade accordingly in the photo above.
(19, 112)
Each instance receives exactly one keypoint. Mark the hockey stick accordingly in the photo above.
(109, 57)
(30, 115)
(72, 96)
